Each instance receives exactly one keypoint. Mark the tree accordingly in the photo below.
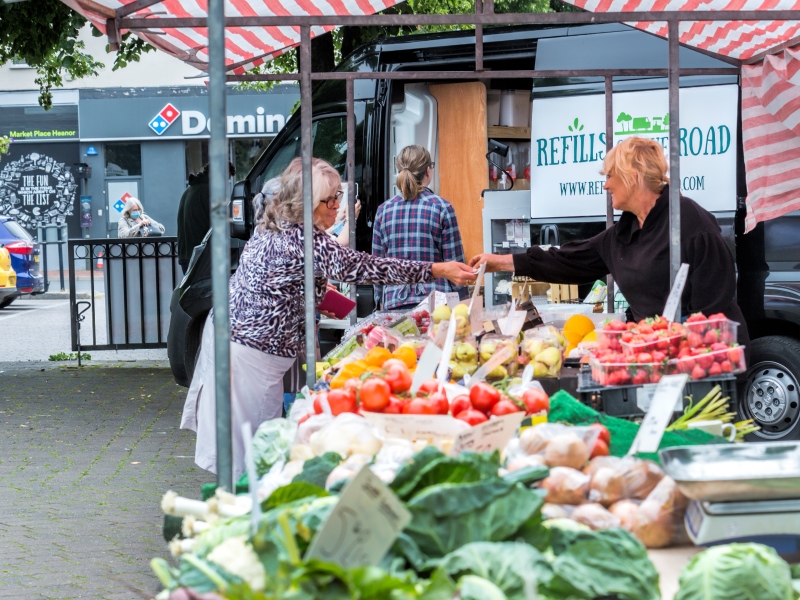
(44, 34)
(624, 118)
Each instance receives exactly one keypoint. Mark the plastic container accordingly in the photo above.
(712, 363)
(492, 108)
(544, 347)
(711, 331)
(515, 107)
(608, 339)
(464, 358)
(628, 373)
(667, 344)
(490, 344)
(416, 342)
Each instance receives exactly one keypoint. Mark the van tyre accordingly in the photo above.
(771, 394)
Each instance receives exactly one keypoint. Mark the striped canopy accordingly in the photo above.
(769, 52)
(245, 47)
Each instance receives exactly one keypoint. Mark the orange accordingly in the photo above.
(407, 355)
(577, 327)
(377, 356)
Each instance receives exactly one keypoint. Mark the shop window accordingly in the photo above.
(196, 156)
(123, 160)
(246, 152)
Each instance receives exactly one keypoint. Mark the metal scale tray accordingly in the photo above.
(735, 472)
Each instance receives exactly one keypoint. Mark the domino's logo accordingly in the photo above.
(166, 117)
(120, 203)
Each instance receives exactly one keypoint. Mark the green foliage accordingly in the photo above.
(5, 143)
(130, 49)
(316, 470)
(61, 356)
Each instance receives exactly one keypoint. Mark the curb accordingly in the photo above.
(59, 296)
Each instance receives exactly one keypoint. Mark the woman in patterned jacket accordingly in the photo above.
(267, 306)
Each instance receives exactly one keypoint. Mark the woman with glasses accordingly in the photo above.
(267, 306)
(416, 224)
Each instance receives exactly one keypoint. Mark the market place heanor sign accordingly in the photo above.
(568, 144)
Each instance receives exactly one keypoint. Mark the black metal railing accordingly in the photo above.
(130, 283)
(59, 243)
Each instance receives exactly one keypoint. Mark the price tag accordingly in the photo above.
(426, 367)
(674, 298)
(498, 358)
(668, 392)
(489, 436)
(252, 478)
(477, 289)
(452, 299)
(430, 428)
(363, 526)
(447, 351)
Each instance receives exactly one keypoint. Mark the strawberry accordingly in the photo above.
(726, 366)
(694, 339)
(640, 377)
(686, 365)
(698, 372)
(655, 376)
(718, 346)
(714, 370)
(644, 358)
(704, 361)
(735, 354)
(659, 356)
(711, 337)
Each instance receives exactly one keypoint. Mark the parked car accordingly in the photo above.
(8, 279)
(25, 253)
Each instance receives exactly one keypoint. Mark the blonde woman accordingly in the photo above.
(635, 251)
(134, 223)
(416, 224)
(267, 306)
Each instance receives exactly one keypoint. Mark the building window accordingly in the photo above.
(246, 153)
(18, 63)
(123, 160)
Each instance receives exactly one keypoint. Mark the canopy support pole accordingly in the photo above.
(674, 155)
(220, 242)
(351, 179)
(306, 149)
(609, 97)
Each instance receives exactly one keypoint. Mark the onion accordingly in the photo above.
(595, 516)
(533, 440)
(554, 511)
(521, 462)
(565, 486)
(566, 450)
(626, 511)
(607, 486)
(653, 525)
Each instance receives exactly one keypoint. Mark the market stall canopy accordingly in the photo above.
(769, 54)
(245, 47)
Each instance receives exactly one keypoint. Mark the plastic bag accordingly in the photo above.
(595, 516)
(543, 347)
(660, 517)
(632, 477)
(311, 426)
(490, 344)
(561, 445)
(565, 486)
(345, 434)
(527, 382)
(271, 443)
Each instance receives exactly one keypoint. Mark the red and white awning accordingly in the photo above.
(245, 47)
(770, 89)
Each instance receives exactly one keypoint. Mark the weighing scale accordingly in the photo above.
(775, 523)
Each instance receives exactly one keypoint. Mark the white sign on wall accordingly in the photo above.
(118, 194)
(568, 144)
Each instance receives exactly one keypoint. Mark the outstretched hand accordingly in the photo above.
(457, 273)
(494, 262)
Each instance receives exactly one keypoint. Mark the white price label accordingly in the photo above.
(489, 436)
(453, 299)
(447, 350)
(668, 392)
(674, 298)
(363, 526)
(426, 367)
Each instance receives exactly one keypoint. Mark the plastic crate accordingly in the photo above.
(603, 373)
(632, 400)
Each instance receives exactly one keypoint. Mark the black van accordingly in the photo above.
(768, 259)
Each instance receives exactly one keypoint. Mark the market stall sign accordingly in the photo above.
(34, 124)
(568, 143)
(668, 393)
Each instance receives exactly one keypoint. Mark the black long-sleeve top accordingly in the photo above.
(638, 259)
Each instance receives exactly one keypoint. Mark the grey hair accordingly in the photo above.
(130, 205)
(262, 200)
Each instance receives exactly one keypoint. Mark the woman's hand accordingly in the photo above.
(494, 262)
(456, 272)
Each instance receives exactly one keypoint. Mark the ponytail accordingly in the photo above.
(412, 163)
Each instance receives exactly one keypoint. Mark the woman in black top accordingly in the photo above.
(635, 251)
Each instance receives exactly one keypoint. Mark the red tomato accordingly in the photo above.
(440, 400)
(604, 434)
(420, 406)
(394, 407)
(600, 448)
(375, 394)
(483, 396)
(536, 401)
(472, 416)
(428, 387)
(397, 375)
(504, 407)
(460, 404)
(318, 402)
(342, 401)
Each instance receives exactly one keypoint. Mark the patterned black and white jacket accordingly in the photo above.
(267, 290)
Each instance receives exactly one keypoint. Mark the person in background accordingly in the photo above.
(267, 306)
(134, 222)
(341, 229)
(194, 215)
(416, 224)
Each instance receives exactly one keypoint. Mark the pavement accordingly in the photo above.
(86, 457)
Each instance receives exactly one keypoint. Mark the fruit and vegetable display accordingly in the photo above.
(643, 352)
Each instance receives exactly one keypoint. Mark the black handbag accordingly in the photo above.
(149, 231)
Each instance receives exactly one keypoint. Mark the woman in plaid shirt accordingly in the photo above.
(416, 225)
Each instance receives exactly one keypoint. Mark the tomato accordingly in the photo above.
(604, 434)
(304, 418)
(536, 401)
(342, 401)
(420, 406)
(440, 400)
(375, 394)
(472, 416)
(397, 375)
(428, 387)
(504, 407)
(483, 396)
(394, 407)
(600, 448)
(460, 404)
(318, 402)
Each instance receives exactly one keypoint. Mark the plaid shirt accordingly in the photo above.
(424, 229)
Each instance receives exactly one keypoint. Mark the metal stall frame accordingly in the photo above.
(484, 15)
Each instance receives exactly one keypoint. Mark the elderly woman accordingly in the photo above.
(134, 223)
(635, 251)
(267, 305)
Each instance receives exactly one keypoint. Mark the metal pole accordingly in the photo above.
(308, 202)
(478, 38)
(674, 155)
(609, 96)
(351, 180)
(220, 252)
(60, 245)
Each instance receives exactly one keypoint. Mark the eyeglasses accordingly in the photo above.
(331, 202)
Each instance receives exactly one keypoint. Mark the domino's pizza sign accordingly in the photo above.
(166, 117)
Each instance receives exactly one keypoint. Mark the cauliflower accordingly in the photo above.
(237, 557)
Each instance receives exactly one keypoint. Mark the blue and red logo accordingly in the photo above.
(161, 122)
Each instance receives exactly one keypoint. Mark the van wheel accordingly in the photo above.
(771, 394)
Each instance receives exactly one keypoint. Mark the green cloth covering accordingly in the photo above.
(242, 487)
(566, 409)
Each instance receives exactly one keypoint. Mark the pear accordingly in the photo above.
(457, 370)
(549, 356)
(461, 310)
(533, 347)
(442, 313)
(497, 373)
(488, 350)
(465, 352)
(462, 326)
(540, 369)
